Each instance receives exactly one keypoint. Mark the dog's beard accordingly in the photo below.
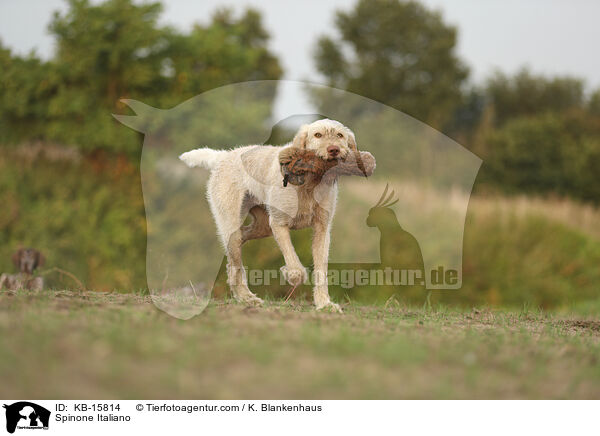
(327, 158)
(338, 158)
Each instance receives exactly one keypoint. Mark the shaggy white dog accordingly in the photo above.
(249, 180)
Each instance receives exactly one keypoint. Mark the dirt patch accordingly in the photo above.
(584, 324)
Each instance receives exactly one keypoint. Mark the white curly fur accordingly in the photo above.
(248, 180)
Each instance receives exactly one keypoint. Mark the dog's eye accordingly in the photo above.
(340, 135)
(318, 135)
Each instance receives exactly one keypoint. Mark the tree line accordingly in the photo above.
(114, 50)
(535, 133)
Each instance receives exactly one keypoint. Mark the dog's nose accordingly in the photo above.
(333, 150)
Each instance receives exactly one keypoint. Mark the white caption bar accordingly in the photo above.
(294, 417)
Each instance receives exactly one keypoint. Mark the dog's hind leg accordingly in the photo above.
(236, 275)
(227, 207)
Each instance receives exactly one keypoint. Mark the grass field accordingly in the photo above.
(95, 345)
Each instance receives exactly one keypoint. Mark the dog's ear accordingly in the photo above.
(354, 148)
(300, 138)
(40, 260)
(351, 140)
(16, 258)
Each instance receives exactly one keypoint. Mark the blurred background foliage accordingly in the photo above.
(115, 50)
(69, 172)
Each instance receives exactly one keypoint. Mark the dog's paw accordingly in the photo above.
(248, 298)
(322, 301)
(255, 301)
(330, 307)
(294, 276)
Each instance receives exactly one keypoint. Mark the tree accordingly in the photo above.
(116, 49)
(526, 94)
(548, 153)
(27, 84)
(399, 53)
(594, 103)
(227, 50)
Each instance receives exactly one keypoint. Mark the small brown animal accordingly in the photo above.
(297, 164)
(26, 260)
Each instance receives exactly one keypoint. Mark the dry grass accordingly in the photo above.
(92, 345)
(571, 213)
(582, 217)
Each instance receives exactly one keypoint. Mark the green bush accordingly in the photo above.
(549, 153)
(87, 217)
(117, 50)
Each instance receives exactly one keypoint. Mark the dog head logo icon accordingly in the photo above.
(26, 415)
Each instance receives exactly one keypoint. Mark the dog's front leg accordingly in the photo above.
(293, 270)
(320, 252)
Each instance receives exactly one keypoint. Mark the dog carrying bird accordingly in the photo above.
(248, 180)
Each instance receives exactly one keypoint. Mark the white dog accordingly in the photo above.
(249, 180)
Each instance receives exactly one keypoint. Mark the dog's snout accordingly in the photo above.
(333, 150)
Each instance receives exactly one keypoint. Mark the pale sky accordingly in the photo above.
(548, 36)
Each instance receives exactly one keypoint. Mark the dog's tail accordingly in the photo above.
(202, 157)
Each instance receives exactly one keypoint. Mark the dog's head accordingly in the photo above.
(328, 139)
(27, 260)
